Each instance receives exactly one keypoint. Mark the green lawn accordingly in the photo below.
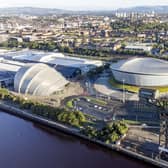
(96, 101)
(134, 89)
(118, 85)
(132, 122)
(69, 104)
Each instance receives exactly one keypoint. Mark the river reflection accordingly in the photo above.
(27, 145)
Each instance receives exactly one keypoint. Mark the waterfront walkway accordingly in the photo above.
(76, 132)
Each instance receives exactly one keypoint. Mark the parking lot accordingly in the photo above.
(99, 111)
(116, 110)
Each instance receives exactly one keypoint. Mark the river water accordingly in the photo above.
(27, 145)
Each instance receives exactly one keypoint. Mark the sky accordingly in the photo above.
(81, 4)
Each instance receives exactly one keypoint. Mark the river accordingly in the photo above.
(27, 145)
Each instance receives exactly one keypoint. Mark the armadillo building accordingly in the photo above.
(38, 79)
(141, 71)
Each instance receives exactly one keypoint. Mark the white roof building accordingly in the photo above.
(9, 65)
(141, 71)
(38, 79)
(139, 47)
(55, 59)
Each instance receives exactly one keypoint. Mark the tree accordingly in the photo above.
(13, 43)
(113, 137)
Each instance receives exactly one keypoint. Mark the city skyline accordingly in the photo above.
(82, 5)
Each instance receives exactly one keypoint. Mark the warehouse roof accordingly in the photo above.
(52, 58)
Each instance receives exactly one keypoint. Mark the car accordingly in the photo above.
(100, 108)
(95, 106)
(148, 140)
(94, 119)
(118, 142)
(128, 147)
(155, 134)
(143, 125)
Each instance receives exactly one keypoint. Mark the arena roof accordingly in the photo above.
(38, 79)
(146, 66)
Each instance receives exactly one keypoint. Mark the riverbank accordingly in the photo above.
(76, 132)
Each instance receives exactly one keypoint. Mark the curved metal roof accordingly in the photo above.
(38, 79)
(146, 66)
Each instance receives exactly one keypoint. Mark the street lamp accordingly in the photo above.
(123, 90)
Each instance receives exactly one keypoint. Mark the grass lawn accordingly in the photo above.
(134, 89)
(69, 104)
(97, 101)
(132, 122)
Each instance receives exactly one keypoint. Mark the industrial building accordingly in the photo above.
(55, 59)
(146, 47)
(141, 71)
(8, 70)
(38, 79)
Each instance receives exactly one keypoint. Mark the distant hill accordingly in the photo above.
(51, 11)
(31, 11)
(144, 9)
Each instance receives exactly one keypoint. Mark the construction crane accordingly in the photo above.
(151, 96)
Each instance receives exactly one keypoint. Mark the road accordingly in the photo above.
(144, 141)
(98, 111)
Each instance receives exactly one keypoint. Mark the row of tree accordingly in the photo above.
(52, 46)
(110, 133)
(138, 26)
(76, 118)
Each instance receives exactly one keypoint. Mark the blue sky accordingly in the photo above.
(81, 4)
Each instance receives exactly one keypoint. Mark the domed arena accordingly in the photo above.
(38, 79)
(141, 72)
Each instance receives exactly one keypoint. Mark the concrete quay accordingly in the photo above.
(76, 132)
